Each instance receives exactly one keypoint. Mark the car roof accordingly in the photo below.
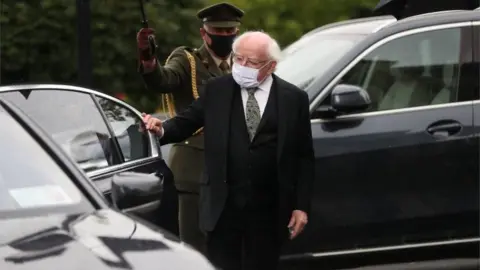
(432, 19)
(362, 26)
(64, 87)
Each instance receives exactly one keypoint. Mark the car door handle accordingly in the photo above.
(445, 128)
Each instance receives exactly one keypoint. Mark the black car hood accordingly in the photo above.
(102, 240)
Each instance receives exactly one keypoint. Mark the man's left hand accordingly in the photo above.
(297, 223)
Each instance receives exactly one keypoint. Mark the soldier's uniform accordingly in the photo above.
(180, 81)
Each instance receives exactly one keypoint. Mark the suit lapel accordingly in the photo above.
(283, 108)
(223, 104)
(268, 108)
(208, 61)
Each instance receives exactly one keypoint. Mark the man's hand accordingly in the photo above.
(152, 124)
(297, 222)
(142, 39)
(146, 58)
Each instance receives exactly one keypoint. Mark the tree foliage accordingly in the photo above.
(38, 38)
(39, 41)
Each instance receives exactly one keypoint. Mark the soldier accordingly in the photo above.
(180, 81)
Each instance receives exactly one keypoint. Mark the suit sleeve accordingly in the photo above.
(169, 78)
(186, 123)
(306, 157)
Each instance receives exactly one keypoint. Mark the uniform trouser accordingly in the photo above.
(188, 221)
(186, 164)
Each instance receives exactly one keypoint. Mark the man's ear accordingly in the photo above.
(273, 67)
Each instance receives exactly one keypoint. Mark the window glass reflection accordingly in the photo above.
(73, 121)
(126, 126)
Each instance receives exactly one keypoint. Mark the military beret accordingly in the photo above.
(221, 15)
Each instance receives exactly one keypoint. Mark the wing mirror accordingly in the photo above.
(131, 190)
(345, 99)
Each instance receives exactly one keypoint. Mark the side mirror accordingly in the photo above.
(133, 190)
(344, 99)
(347, 98)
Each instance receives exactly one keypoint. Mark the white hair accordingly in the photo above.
(273, 50)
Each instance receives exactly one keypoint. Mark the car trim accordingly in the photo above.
(380, 249)
(117, 155)
(395, 111)
(3, 89)
(387, 23)
(144, 208)
(122, 167)
(319, 98)
(423, 15)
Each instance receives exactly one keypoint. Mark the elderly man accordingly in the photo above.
(181, 80)
(255, 191)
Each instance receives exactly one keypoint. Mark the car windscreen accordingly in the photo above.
(31, 182)
(311, 56)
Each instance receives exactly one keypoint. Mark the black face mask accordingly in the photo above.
(221, 45)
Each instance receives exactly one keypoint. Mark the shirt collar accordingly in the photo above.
(218, 61)
(266, 84)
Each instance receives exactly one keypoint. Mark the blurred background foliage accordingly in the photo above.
(38, 38)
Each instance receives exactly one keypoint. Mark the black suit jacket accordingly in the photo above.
(295, 156)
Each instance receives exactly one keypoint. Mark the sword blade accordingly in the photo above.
(144, 17)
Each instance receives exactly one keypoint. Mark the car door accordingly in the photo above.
(136, 147)
(103, 136)
(403, 172)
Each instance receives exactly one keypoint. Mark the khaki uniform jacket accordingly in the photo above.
(180, 81)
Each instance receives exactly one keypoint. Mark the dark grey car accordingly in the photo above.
(52, 216)
(395, 120)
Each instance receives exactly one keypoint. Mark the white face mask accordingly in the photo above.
(246, 77)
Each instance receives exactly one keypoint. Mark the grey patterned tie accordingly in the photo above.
(252, 113)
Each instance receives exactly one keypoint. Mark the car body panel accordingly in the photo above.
(103, 239)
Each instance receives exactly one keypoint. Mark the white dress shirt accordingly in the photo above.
(261, 95)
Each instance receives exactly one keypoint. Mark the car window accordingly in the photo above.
(74, 122)
(311, 57)
(415, 70)
(126, 126)
(29, 178)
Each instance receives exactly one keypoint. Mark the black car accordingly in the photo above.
(396, 122)
(53, 217)
(103, 136)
